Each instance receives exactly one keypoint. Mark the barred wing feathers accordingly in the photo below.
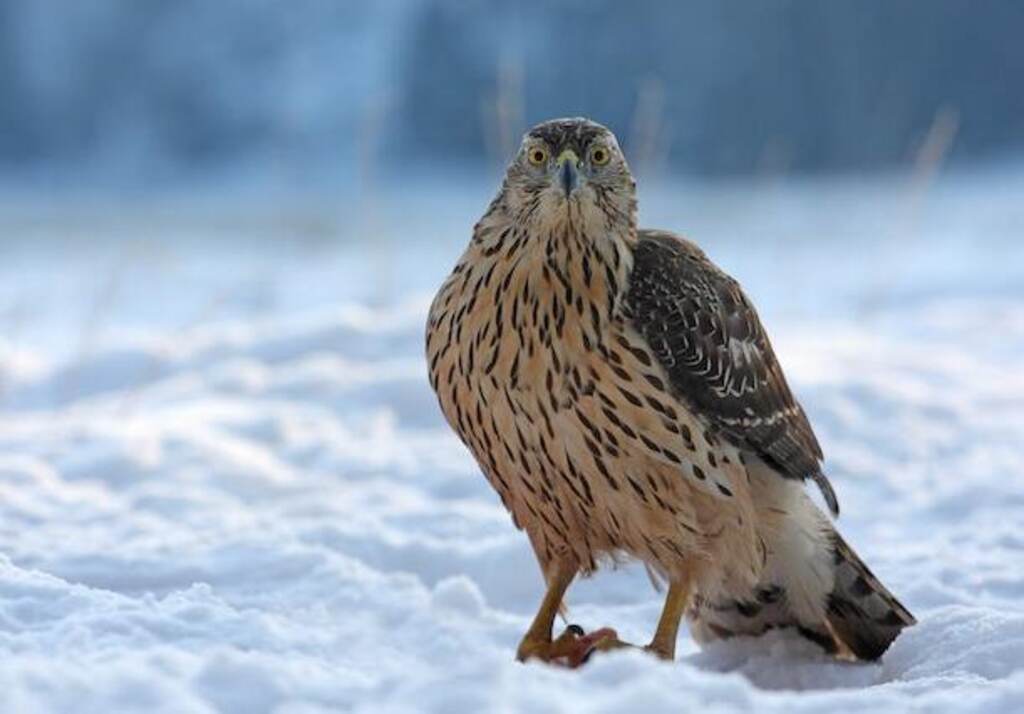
(707, 336)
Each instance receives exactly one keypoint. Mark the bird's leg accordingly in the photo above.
(537, 640)
(573, 646)
(663, 645)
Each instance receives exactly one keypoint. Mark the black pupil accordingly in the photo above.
(599, 155)
(538, 156)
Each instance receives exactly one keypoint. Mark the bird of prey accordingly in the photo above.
(620, 394)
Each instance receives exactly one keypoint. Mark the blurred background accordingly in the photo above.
(317, 91)
(184, 160)
(224, 481)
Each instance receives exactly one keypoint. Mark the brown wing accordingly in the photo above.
(708, 337)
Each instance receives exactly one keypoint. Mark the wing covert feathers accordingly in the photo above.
(709, 339)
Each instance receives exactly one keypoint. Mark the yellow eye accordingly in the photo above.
(538, 155)
(599, 156)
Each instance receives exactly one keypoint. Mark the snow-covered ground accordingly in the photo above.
(225, 484)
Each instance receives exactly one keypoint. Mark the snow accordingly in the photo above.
(225, 485)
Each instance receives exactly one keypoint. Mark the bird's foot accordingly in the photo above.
(572, 648)
(661, 651)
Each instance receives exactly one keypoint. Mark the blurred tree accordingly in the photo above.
(791, 85)
(715, 86)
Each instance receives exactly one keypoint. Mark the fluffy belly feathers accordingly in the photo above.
(574, 426)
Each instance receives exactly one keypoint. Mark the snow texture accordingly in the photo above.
(225, 485)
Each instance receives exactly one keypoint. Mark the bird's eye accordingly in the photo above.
(599, 156)
(538, 155)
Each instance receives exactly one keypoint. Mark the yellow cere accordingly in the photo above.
(568, 155)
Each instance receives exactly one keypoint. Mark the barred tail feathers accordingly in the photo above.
(813, 582)
(862, 613)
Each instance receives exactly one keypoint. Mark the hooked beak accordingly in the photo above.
(568, 172)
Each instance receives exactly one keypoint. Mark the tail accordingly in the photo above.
(813, 582)
(862, 613)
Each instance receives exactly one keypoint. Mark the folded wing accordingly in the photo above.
(708, 337)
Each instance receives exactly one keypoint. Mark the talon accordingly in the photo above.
(573, 648)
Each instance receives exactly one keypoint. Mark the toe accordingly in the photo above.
(573, 647)
(660, 651)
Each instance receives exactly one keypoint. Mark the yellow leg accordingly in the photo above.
(664, 643)
(537, 641)
(573, 647)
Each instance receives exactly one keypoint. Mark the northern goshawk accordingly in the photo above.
(620, 394)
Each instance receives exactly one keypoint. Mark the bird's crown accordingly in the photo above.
(568, 131)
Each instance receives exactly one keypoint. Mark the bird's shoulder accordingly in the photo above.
(656, 239)
(708, 337)
(667, 255)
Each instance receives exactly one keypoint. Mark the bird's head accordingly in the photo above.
(572, 170)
